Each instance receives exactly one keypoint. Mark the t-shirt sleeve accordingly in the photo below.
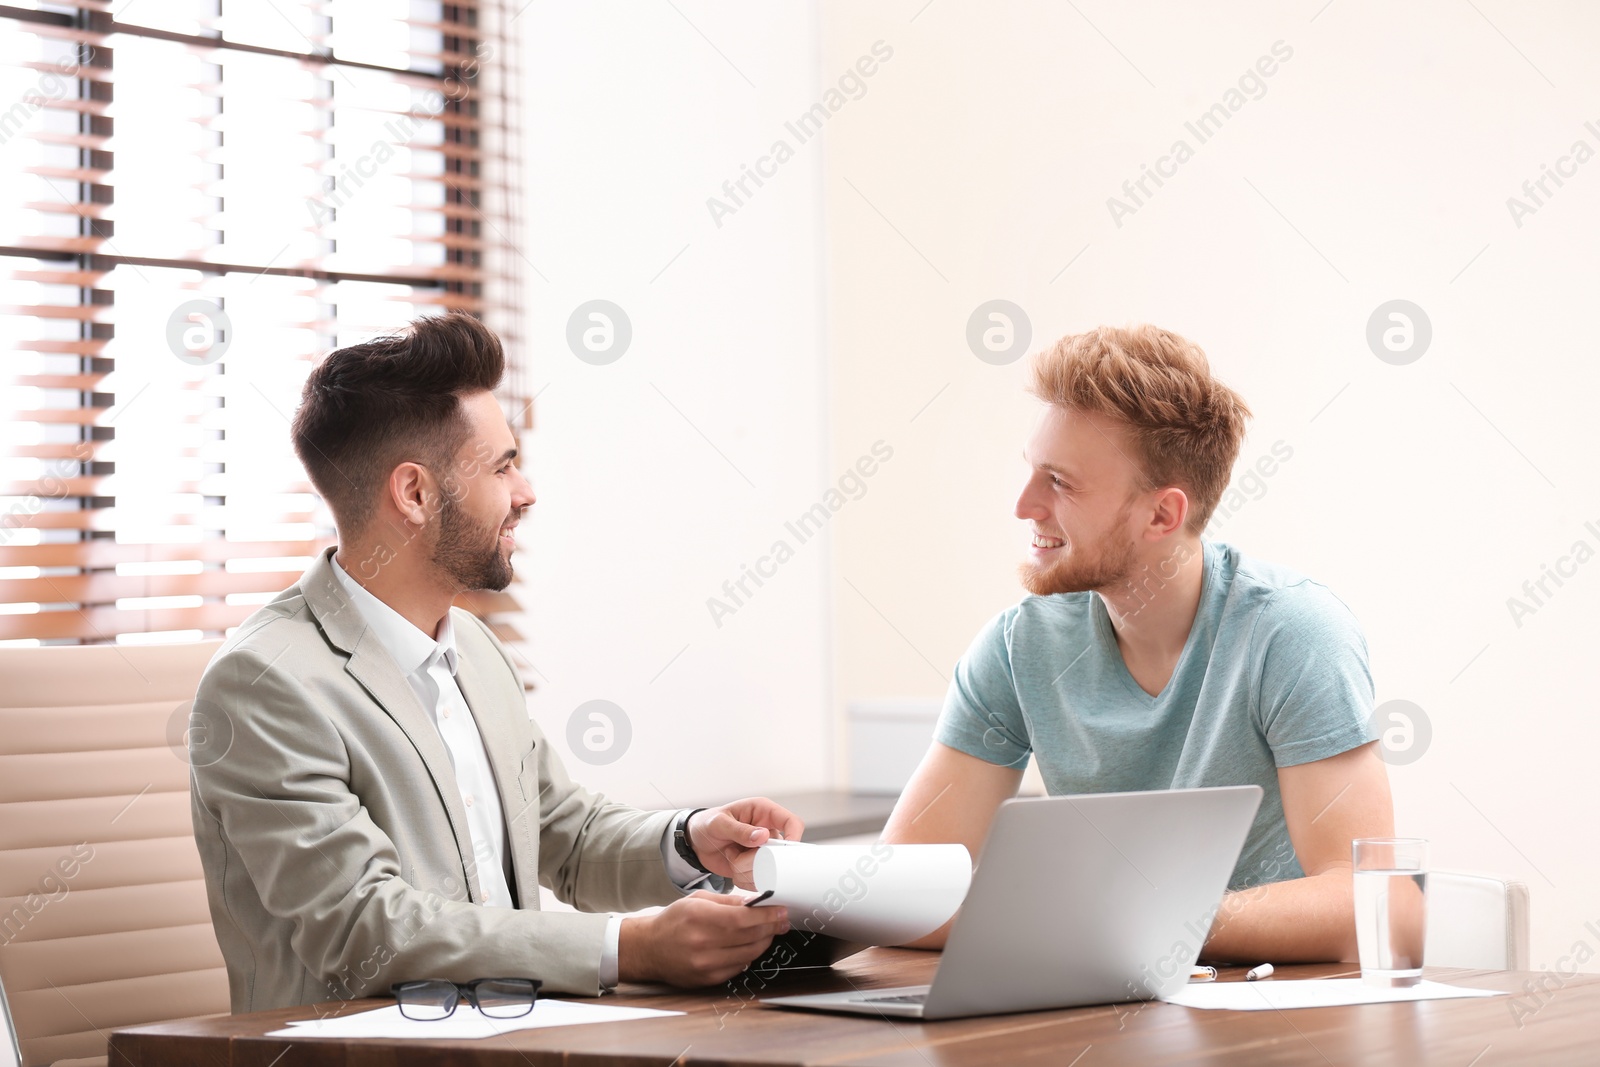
(1314, 694)
(982, 716)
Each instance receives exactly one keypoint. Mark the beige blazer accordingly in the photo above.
(335, 845)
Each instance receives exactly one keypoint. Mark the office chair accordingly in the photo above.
(104, 922)
(1476, 922)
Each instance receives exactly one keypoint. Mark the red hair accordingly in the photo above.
(1186, 425)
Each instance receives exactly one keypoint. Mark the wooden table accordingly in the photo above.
(728, 1027)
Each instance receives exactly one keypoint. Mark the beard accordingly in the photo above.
(1104, 564)
(469, 554)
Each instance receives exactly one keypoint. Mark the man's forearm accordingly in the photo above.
(1303, 920)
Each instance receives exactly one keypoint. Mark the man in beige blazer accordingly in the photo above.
(372, 802)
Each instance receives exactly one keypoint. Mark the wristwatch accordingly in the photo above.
(680, 841)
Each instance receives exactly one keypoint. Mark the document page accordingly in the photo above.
(467, 1022)
(1278, 995)
(871, 894)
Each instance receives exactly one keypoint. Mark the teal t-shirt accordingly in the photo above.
(1274, 674)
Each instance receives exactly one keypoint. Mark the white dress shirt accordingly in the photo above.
(429, 664)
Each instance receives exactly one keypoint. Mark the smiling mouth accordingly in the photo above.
(1040, 541)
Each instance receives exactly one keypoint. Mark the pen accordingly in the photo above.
(1257, 973)
(1199, 973)
(753, 901)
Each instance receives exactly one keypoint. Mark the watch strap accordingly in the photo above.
(680, 841)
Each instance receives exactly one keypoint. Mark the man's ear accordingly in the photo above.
(1170, 509)
(412, 492)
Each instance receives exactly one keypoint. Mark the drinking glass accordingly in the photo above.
(1391, 891)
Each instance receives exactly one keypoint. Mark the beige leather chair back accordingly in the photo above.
(103, 915)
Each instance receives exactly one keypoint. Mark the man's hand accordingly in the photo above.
(703, 939)
(726, 838)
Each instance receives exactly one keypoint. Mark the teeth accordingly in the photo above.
(1046, 542)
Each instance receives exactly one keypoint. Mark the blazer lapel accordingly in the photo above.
(508, 749)
(370, 665)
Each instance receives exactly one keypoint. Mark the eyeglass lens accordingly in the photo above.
(427, 1000)
(505, 998)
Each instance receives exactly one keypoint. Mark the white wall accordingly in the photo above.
(660, 475)
(976, 164)
(1376, 165)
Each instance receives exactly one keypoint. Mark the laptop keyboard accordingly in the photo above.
(904, 998)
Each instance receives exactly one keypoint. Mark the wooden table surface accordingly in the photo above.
(1557, 1023)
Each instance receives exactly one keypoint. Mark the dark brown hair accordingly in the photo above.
(1186, 424)
(371, 406)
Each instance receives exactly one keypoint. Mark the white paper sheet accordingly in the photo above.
(467, 1022)
(872, 894)
(1277, 994)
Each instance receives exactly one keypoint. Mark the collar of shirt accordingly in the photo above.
(412, 650)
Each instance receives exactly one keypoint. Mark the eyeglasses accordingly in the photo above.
(430, 999)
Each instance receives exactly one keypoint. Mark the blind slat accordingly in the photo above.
(100, 624)
(110, 485)
(112, 519)
(105, 588)
(101, 553)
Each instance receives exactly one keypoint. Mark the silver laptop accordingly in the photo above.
(1092, 899)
